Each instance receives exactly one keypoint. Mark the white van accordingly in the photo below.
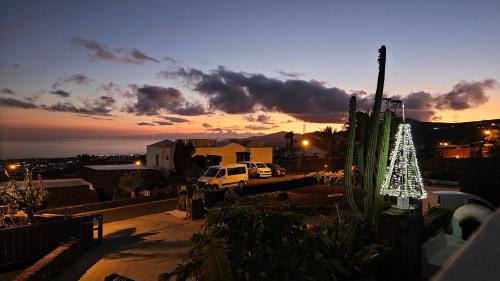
(222, 176)
(258, 169)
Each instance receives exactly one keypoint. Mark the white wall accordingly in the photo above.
(165, 157)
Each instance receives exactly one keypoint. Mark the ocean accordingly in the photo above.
(62, 147)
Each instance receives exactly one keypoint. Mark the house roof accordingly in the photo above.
(163, 143)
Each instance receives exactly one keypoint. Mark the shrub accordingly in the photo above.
(26, 197)
(328, 177)
(248, 244)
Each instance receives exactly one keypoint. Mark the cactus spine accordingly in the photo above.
(350, 156)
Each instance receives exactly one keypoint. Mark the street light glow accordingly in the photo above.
(138, 163)
(12, 166)
(487, 132)
(305, 142)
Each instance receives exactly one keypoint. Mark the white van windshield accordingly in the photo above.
(211, 172)
(261, 165)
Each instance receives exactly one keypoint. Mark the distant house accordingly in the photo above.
(463, 151)
(228, 152)
(65, 192)
(106, 178)
(160, 155)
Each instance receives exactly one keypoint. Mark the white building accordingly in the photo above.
(160, 155)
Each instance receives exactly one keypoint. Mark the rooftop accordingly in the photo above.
(54, 183)
(163, 143)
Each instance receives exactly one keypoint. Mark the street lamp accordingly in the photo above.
(487, 132)
(138, 163)
(305, 143)
(12, 167)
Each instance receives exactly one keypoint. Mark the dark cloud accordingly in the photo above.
(7, 91)
(78, 79)
(240, 93)
(173, 119)
(261, 118)
(95, 118)
(257, 127)
(206, 125)
(145, 124)
(465, 95)
(163, 123)
(170, 60)
(140, 56)
(155, 123)
(9, 102)
(102, 52)
(291, 75)
(61, 93)
(101, 106)
(418, 105)
(154, 100)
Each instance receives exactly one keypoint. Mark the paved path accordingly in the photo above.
(140, 248)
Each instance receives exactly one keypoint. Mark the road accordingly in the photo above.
(140, 248)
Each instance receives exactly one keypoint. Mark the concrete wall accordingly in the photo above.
(228, 152)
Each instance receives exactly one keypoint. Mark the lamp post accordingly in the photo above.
(305, 143)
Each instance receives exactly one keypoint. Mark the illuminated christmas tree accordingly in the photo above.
(403, 178)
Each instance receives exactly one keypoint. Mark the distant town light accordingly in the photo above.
(457, 156)
(138, 163)
(305, 142)
(487, 132)
(12, 166)
(443, 144)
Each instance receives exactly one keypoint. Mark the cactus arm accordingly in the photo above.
(368, 176)
(383, 154)
(349, 158)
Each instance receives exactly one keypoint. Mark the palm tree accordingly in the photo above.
(330, 141)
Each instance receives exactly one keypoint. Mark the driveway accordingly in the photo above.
(140, 248)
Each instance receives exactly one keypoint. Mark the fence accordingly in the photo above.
(31, 242)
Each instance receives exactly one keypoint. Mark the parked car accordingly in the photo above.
(276, 169)
(452, 200)
(257, 169)
(224, 176)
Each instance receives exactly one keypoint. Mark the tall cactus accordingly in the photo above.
(368, 175)
(371, 171)
(349, 157)
(383, 155)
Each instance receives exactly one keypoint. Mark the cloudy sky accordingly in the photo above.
(74, 68)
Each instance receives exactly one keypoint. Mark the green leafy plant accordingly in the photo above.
(26, 197)
(250, 244)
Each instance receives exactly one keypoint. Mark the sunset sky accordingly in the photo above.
(229, 68)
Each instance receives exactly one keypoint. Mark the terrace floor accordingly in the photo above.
(140, 248)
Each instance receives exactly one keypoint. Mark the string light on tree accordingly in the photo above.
(403, 179)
